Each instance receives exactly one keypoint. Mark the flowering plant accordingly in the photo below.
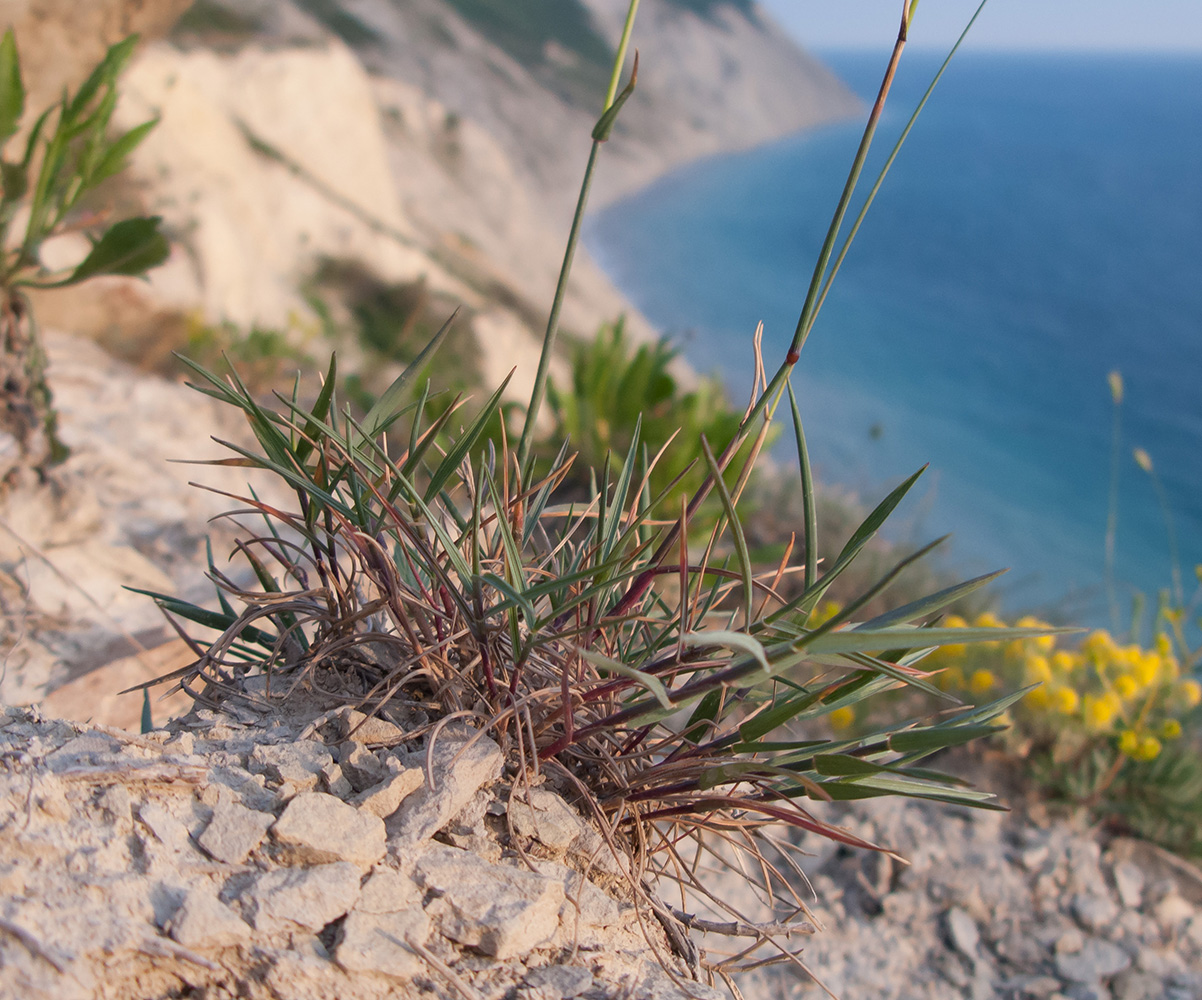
(1104, 723)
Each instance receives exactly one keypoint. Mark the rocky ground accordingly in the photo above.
(1019, 906)
(252, 854)
(230, 856)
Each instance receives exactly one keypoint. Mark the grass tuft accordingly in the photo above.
(427, 571)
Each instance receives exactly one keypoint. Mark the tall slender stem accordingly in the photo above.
(539, 392)
(1112, 512)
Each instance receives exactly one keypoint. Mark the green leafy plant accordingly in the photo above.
(1105, 724)
(264, 356)
(673, 691)
(68, 151)
(616, 389)
(1111, 723)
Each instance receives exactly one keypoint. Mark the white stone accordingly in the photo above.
(234, 831)
(377, 942)
(1094, 912)
(317, 828)
(203, 921)
(963, 931)
(335, 782)
(362, 767)
(556, 982)
(299, 764)
(500, 910)
(1129, 882)
(388, 891)
(1097, 959)
(595, 907)
(385, 798)
(543, 815)
(461, 768)
(373, 731)
(1172, 911)
(309, 897)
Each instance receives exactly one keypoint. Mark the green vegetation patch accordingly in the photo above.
(706, 8)
(213, 20)
(558, 41)
(345, 25)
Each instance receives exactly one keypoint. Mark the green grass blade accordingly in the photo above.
(650, 682)
(930, 605)
(731, 640)
(905, 134)
(388, 407)
(464, 443)
(538, 392)
(320, 410)
(216, 621)
(808, 507)
(736, 532)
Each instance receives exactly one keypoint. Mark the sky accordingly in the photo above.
(1141, 25)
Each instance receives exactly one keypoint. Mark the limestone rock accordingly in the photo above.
(316, 828)
(61, 41)
(543, 815)
(585, 907)
(335, 782)
(96, 695)
(310, 897)
(362, 767)
(372, 730)
(234, 831)
(203, 921)
(231, 129)
(963, 930)
(385, 798)
(1094, 911)
(168, 829)
(1097, 959)
(461, 768)
(87, 748)
(377, 942)
(556, 982)
(500, 910)
(388, 891)
(1129, 882)
(1172, 912)
(300, 765)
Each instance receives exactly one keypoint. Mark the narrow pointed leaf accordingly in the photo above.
(392, 399)
(12, 90)
(732, 640)
(321, 409)
(114, 159)
(736, 531)
(650, 682)
(209, 619)
(464, 443)
(808, 507)
(605, 125)
(930, 605)
(131, 246)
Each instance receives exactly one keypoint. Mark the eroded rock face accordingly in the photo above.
(119, 514)
(218, 858)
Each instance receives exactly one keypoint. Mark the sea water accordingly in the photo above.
(1041, 228)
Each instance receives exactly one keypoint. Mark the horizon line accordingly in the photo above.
(932, 49)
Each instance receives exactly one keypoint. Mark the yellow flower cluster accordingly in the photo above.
(1100, 690)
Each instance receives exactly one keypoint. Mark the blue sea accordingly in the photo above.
(1041, 228)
